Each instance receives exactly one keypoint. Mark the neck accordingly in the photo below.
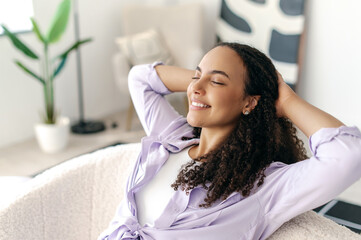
(210, 140)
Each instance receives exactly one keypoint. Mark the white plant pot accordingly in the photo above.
(53, 138)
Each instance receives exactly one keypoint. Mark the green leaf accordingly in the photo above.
(60, 66)
(36, 30)
(19, 44)
(75, 46)
(64, 55)
(59, 22)
(29, 72)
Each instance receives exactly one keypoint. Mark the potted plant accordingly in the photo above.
(52, 133)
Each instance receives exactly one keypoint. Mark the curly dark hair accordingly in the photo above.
(259, 139)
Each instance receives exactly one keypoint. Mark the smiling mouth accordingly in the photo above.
(197, 104)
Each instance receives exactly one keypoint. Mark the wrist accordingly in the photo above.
(288, 104)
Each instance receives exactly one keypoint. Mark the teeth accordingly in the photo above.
(197, 104)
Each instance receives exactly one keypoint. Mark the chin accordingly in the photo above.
(193, 122)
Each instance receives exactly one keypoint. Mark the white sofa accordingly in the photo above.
(78, 198)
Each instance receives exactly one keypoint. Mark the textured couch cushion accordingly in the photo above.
(74, 200)
(145, 47)
(310, 225)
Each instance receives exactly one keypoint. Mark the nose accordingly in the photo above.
(198, 87)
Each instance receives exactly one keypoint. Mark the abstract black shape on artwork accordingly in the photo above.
(292, 7)
(284, 48)
(258, 1)
(234, 20)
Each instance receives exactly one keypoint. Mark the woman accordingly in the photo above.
(232, 169)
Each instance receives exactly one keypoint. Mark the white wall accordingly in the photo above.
(21, 97)
(331, 76)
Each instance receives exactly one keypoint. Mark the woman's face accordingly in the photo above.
(216, 94)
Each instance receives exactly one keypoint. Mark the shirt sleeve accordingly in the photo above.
(147, 92)
(305, 185)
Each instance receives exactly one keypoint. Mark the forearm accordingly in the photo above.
(307, 117)
(176, 79)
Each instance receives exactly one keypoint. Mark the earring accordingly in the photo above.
(246, 112)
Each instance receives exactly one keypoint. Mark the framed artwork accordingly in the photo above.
(272, 26)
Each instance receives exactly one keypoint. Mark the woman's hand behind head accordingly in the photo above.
(285, 94)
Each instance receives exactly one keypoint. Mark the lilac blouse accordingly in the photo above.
(288, 190)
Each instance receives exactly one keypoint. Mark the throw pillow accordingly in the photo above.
(144, 47)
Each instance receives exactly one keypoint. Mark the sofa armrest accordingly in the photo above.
(311, 226)
(73, 200)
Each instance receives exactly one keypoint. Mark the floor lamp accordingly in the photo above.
(82, 126)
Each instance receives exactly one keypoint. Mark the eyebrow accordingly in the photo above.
(214, 72)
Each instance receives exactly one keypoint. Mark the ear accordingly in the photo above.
(251, 103)
(254, 101)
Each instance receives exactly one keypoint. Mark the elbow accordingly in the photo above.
(352, 150)
(133, 76)
(138, 77)
(351, 158)
(344, 154)
(354, 155)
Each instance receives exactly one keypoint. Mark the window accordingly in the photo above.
(15, 15)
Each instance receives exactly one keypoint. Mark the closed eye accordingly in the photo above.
(195, 77)
(218, 83)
